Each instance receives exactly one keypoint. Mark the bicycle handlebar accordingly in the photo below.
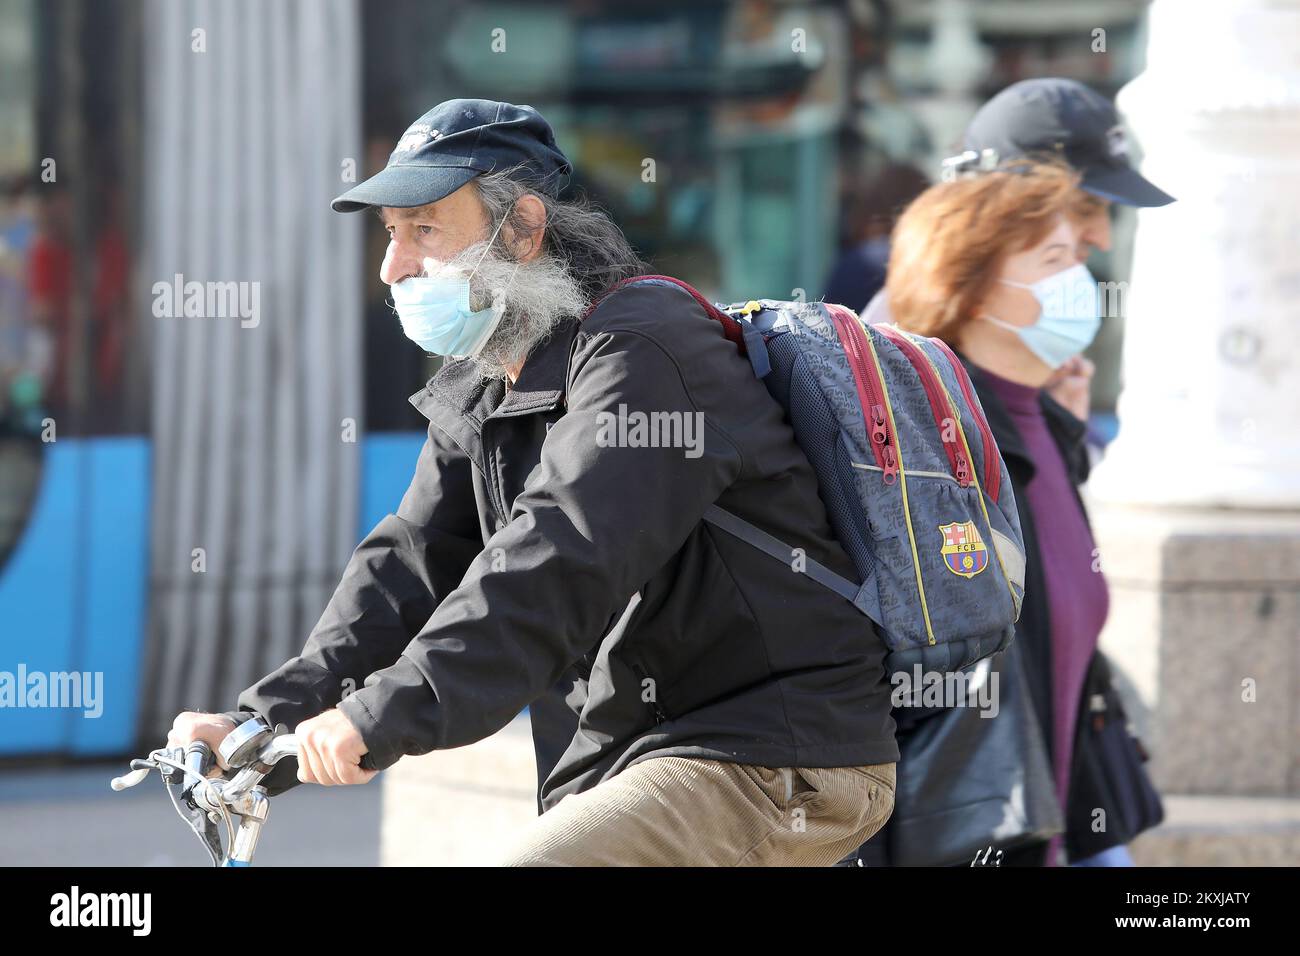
(195, 761)
(129, 779)
(252, 749)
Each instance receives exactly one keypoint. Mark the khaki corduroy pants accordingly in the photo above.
(684, 811)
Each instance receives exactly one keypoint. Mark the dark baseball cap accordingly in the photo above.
(1064, 117)
(456, 141)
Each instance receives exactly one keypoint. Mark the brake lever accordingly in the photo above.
(197, 818)
(169, 773)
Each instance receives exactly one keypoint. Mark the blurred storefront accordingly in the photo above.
(734, 140)
(74, 367)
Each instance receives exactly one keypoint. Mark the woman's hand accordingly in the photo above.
(1071, 385)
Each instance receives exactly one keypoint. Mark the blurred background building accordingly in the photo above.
(209, 476)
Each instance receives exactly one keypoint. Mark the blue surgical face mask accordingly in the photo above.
(1070, 315)
(436, 316)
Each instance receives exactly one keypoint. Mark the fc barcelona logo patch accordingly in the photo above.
(963, 548)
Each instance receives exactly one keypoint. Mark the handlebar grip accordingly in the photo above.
(199, 760)
(129, 779)
(198, 757)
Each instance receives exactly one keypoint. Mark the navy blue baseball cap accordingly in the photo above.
(456, 141)
(1063, 117)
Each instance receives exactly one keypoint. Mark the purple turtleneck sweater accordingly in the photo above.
(1077, 597)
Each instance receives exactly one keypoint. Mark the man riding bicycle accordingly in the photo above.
(692, 700)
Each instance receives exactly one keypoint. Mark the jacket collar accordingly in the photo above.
(458, 392)
(1067, 430)
(545, 375)
(1004, 429)
(1071, 434)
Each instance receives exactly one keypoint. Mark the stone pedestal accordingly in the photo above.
(1223, 831)
(462, 807)
(1203, 627)
(1204, 636)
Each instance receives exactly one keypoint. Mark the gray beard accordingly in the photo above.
(538, 296)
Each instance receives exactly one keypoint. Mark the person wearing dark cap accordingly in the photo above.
(1055, 118)
(550, 551)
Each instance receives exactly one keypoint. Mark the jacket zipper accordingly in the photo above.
(939, 406)
(992, 473)
(491, 475)
(659, 713)
(871, 389)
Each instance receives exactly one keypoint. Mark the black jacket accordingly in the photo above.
(532, 564)
(1033, 630)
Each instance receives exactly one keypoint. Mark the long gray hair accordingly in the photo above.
(577, 233)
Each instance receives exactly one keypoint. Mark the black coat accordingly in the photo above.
(533, 563)
(1033, 630)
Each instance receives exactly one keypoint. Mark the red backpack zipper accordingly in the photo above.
(871, 388)
(939, 407)
(992, 472)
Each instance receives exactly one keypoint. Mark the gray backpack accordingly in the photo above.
(913, 482)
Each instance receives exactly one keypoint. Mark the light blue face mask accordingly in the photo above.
(1070, 315)
(436, 316)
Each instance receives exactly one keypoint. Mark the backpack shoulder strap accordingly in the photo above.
(778, 549)
(743, 335)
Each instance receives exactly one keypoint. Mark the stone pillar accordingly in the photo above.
(1197, 502)
(1211, 385)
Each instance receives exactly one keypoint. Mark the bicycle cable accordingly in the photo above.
(157, 757)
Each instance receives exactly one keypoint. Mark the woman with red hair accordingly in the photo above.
(989, 264)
